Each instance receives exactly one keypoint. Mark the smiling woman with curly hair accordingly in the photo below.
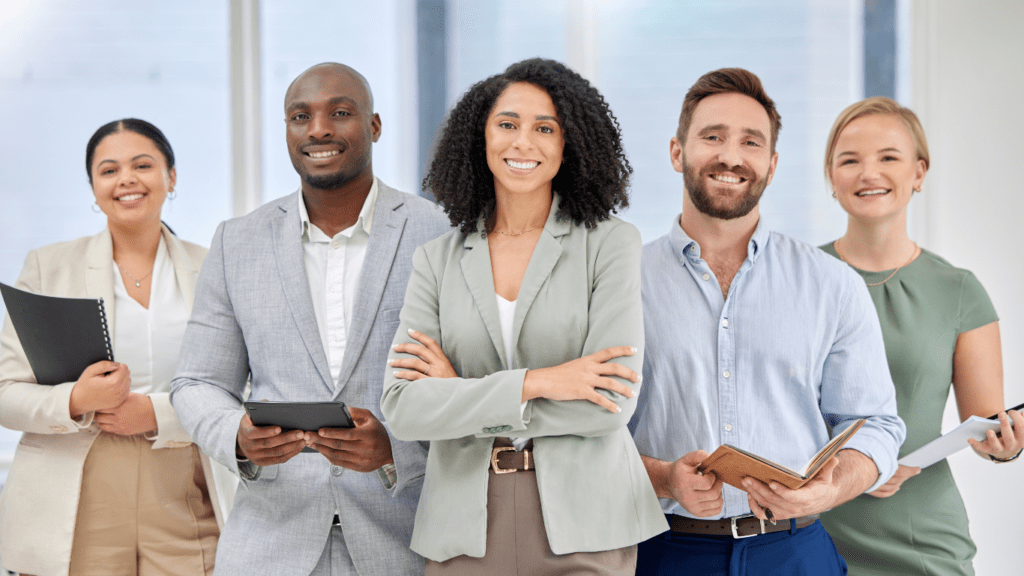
(521, 338)
(594, 174)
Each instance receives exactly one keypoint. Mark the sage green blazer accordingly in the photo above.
(580, 294)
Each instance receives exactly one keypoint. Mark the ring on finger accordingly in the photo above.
(428, 370)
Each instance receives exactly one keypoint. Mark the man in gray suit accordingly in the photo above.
(302, 297)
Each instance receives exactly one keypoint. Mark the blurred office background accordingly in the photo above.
(212, 75)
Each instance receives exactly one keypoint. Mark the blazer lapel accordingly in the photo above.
(99, 273)
(186, 270)
(542, 261)
(389, 218)
(476, 269)
(291, 266)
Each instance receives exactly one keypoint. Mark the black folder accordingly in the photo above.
(61, 336)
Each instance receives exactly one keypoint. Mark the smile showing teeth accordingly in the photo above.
(872, 192)
(727, 179)
(130, 197)
(522, 165)
(326, 154)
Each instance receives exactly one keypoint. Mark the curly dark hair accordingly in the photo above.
(593, 179)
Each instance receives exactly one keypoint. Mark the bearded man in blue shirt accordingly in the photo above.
(756, 340)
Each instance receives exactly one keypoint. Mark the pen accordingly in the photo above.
(769, 515)
(1018, 408)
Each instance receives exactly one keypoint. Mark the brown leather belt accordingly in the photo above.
(505, 459)
(737, 527)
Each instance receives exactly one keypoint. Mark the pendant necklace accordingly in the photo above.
(138, 281)
(912, 256)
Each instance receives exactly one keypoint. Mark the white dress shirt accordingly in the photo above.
(333, 266)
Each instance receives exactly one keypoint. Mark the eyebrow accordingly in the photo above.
(332, 102)
(717, 127)
(851, 153)
(516, 115)
(143, 155)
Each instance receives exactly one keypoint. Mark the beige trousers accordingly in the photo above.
(143, 511)
(517, 543)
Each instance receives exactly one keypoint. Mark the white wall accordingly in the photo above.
(968, 78)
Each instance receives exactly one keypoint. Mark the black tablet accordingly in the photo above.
(306, 416)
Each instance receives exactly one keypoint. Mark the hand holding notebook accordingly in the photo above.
(732, 464)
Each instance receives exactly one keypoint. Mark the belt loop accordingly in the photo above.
(792, 526)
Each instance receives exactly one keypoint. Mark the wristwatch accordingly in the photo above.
(1004, 460)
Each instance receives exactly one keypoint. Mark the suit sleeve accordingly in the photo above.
(24, 404)
(448, 408)
(213, 365)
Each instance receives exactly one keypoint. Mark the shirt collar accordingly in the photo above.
(365, 219)
(683, 245)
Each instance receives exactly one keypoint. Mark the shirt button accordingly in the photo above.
(335, 288)
(693, 248)
(728, 427)
(336, 470)
(725, 322)
(726, 373)
(707, 276)
(335, 244)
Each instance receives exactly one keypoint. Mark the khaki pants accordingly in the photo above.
(517, 543)
(143, 511)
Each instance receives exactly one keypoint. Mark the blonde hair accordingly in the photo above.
(877, 105)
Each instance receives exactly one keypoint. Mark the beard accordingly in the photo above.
(328, 181)
(694, 183)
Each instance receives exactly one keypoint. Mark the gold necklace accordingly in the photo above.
(518, 233)
(912, 256)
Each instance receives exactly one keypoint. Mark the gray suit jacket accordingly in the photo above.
(580, 294)
(254, 317)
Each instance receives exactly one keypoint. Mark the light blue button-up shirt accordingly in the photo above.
(796, 348)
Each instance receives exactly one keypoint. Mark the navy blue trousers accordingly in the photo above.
(808, 551)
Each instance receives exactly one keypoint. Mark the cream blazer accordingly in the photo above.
(39, 502)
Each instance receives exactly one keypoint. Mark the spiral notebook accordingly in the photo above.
(61, 336)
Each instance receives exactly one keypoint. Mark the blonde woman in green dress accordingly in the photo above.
(940, 330)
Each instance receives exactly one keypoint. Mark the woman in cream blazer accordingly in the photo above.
(39, 503)
(521, 339)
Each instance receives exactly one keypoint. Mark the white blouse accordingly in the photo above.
(506, 315)
(148, 340)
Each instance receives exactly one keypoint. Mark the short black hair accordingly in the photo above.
(592, 181)
(140, 127)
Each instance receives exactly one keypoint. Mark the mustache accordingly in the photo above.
(740, 170)
(311, 143)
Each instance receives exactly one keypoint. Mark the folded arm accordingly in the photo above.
(589, 396)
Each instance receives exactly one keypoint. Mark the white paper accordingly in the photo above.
(951, 442)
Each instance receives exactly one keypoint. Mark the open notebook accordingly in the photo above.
(732, 464)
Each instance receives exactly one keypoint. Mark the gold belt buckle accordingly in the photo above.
(494, 459)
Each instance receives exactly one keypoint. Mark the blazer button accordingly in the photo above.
(336, 470)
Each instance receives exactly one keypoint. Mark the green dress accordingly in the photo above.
(922, 528)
